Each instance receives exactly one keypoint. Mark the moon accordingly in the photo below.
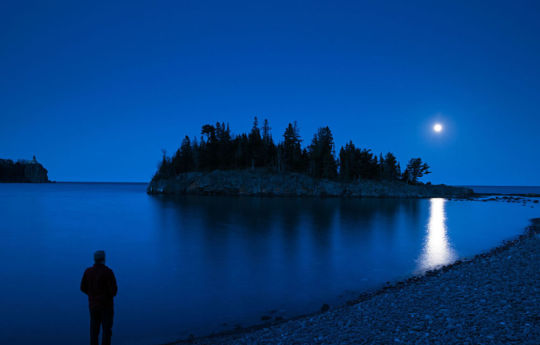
(438, 128)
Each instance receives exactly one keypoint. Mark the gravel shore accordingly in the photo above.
(492, 298)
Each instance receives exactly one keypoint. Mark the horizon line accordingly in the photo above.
(146, 182)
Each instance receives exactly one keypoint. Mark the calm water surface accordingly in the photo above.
(202, 264)
(506, 189)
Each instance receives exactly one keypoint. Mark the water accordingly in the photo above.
(191, 264)
(506, 189)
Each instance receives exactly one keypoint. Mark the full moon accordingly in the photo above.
(437, 128)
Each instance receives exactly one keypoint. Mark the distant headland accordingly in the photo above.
(252, 164)
(27, 171)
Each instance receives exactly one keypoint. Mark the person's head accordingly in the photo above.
(99, 257)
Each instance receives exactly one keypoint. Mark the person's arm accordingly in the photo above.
(114, 287)
(84, 283)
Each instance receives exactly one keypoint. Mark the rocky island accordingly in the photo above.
(251, 164)
(263, 183)
(22, 171)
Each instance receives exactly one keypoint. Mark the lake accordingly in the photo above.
(506, 189)
(194, 265)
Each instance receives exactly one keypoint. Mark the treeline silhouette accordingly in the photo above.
(217, 148)
(22, 171)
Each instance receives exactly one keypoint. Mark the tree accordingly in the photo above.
(208, 148)
(391, 170)
(224, 149)
(183, 159)
(380, 172)
(406, 177)
(322, 162)
(196, 151)
(266, 136)
(367, 165)
(416, 169)
(210, 132)
(242, 158)
(165, 167)
(255, 145)
(290, 151)
(348, 162)
(269, 149)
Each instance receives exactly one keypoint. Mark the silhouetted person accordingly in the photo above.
(99, 283)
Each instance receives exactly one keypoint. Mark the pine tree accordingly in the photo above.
(391, 170)
(266, 135)
(269, 149)
(290, 149)
(208, 152)
(224, 149)
(322, 155)
(255, 145)
(165, 167)
(348, 170)
(183, 159)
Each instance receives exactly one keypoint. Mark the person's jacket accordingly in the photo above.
(99, 283)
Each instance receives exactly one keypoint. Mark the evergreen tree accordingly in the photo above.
(224, 149)
(266, 135)
(195, 150)
(348, 162)
(321, 155)
(183, 159)
(406, 177)
(367, 165)
(255, 145)
(380, 171)
(208, 148)
(242, 155)
(165, 169)
(290, 150)
(269, 148)
(391, 170)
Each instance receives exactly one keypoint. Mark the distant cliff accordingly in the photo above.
(259, 183)
(22, 171)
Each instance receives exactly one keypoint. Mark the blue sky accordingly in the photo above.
(96, 90)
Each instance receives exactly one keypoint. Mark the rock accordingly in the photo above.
(264, 182)
(325, 307)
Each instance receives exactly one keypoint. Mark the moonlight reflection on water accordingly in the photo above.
(437, 250)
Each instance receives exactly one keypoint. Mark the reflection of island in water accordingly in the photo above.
(437, 250)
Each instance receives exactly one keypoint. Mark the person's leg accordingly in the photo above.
(107, 326)
(95, 324)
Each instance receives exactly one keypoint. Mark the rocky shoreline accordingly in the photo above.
(491, 298)
(264, 183)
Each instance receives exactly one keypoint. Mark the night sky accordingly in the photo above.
(95, 91)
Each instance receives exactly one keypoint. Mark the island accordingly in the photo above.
(22, 171)
(252, 164)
